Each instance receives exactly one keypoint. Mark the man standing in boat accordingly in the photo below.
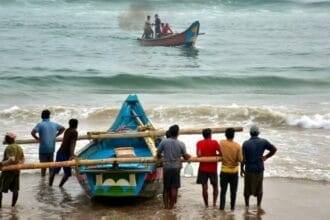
(157, 26)
(208, 148)
(148, 32)
(47, 132)
(172, 150)
(66, 152)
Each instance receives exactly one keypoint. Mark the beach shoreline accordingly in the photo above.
(284, 198)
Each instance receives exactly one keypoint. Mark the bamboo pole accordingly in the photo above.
(148, 140)
(151, 133)
(72, 163)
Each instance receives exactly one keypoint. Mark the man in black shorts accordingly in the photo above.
(207, 148)
(66, 152)
(172, 150)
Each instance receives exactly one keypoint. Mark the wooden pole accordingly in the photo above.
(149, 141)
(151, 133)
(72, 163)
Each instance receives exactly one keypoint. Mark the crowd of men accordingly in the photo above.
(161, 29)
(250, 158)
(45, 133)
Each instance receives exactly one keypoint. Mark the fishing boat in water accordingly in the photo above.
(187, 38)
(127, 179)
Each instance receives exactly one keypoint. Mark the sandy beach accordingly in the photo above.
(284, 198)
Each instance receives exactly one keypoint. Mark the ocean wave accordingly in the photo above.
(186, 115)
(148, 82)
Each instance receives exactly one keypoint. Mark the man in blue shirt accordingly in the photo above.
(253, 165)
(47, 133)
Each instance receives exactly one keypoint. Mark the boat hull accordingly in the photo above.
(187, 38)
(98, 184)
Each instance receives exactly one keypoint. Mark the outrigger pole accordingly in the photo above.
(113, 135)
(97, 135)
(73, 163)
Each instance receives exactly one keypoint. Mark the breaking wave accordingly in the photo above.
(186, 115)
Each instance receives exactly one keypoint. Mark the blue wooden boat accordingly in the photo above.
(122, 180)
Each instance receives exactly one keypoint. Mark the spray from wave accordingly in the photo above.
(133, 18)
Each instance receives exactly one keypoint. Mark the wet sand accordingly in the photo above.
(283, 199)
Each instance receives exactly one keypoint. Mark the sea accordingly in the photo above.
(264, 62)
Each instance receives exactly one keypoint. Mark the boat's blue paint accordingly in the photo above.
(191, 34)
(125, 121)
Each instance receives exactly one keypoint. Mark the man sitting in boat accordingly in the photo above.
(166, 30)
(148, 32)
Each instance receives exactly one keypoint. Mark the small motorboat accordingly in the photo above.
(187, 38)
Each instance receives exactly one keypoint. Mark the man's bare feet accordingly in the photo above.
(260, 211)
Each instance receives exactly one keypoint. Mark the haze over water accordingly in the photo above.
(264, 62)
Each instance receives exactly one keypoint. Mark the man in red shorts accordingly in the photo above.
(205, 148)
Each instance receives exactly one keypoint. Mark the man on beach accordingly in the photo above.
(253, 165)
(9, 180)
(208, 170)
(231, 157)
(47, 132)
(66, 152)
(172, 150)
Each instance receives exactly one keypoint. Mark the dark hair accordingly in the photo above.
(45, 114)
(230, 133)
(167, 134)
(207, 133)
(174, 131)
(73, 123)
(254, 134)
(9, 140)
(148, 16)
(162, 24)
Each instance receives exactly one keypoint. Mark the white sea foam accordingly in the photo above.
(11, 109)
(314, 121)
